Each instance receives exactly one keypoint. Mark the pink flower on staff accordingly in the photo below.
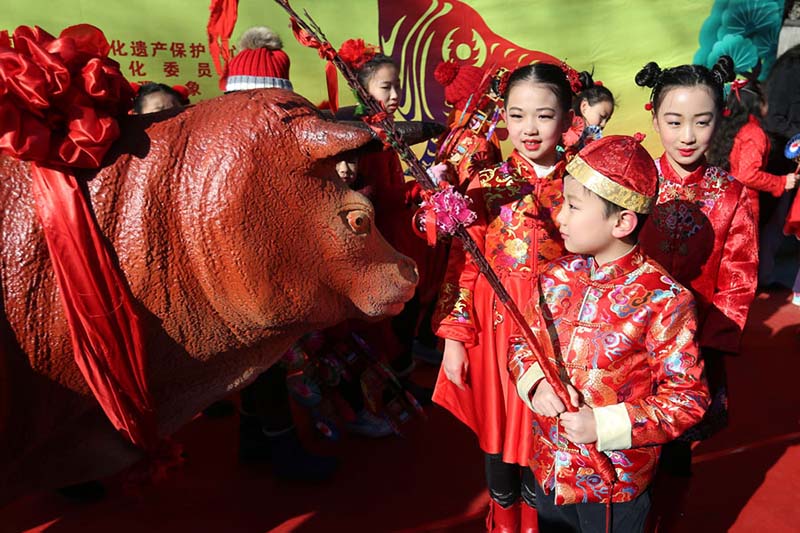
(450, 208)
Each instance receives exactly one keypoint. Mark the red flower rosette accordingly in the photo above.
(59, 97)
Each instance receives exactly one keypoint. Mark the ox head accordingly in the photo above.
(274, 238)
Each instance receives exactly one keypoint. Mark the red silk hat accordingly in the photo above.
(619, 169)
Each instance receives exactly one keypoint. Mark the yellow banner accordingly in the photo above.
(165, 41)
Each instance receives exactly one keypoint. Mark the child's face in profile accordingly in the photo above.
(347, 169)
(583, 222)
(158, 101)
(384, 86)
(598, 114)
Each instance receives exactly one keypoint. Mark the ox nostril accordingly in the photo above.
(408, 269)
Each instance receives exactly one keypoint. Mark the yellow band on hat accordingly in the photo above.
(606, 188)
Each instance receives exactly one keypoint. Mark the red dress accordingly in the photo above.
(517, 231)
(748, 157)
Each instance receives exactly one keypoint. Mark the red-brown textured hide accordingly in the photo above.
(235, 237)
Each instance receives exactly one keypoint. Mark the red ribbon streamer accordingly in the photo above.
(59, 99)
(326, 52)
(220, 26)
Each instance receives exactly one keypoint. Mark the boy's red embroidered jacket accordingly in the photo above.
(624, 336)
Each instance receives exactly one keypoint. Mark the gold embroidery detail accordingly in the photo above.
(606, 188)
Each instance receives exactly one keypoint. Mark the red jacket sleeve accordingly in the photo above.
(680, 398)
(747, 159)
(736, 282)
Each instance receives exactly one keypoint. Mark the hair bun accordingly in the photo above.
(723, 70)
(260, 37)
(445, 72)
(587, 82)
(649, 75)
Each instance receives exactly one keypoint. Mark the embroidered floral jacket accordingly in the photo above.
(516, 230)
(702, 231)
(624, 336)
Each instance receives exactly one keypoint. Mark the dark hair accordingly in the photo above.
(370, 67)
(746, 102)
(152, 88)
(610, 209)
(783, 116)
(592, 93)
(546, 74)
(661, 81)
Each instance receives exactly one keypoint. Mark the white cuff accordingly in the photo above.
(613, 427)
(527, 381)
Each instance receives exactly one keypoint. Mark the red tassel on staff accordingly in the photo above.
(327, 53)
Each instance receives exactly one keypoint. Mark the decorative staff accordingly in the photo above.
(449, 212)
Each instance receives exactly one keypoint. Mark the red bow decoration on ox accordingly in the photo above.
(59, 99)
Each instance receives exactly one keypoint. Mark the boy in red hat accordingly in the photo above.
(623, 331)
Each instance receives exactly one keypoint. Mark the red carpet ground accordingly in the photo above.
(746, 479)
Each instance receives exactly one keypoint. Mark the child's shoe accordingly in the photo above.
(367, 424)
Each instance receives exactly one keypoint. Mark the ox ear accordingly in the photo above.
(332, 138)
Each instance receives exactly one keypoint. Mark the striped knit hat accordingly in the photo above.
(261, 63)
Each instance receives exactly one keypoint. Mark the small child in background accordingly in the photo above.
(155, 97)
(593, 108)
(395, 205)
(470, 144)
(741, 146)
(347, 169)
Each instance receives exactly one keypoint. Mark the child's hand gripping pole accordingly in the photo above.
(310, 35)
(541, 346)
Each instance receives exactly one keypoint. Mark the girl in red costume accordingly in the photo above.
(593, 109)
(470, 144)
(395, 202)
(517, 203)
(702, 228)
(742, 147)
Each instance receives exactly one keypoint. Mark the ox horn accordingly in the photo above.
(413, 131)
(333, 138)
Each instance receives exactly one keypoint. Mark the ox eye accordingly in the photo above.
(359, 222)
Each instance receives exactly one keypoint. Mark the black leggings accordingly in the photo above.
(507, 482)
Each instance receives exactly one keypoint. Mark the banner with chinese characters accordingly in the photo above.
(165, 40)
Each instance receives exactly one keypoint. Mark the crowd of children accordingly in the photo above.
(639, 272)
